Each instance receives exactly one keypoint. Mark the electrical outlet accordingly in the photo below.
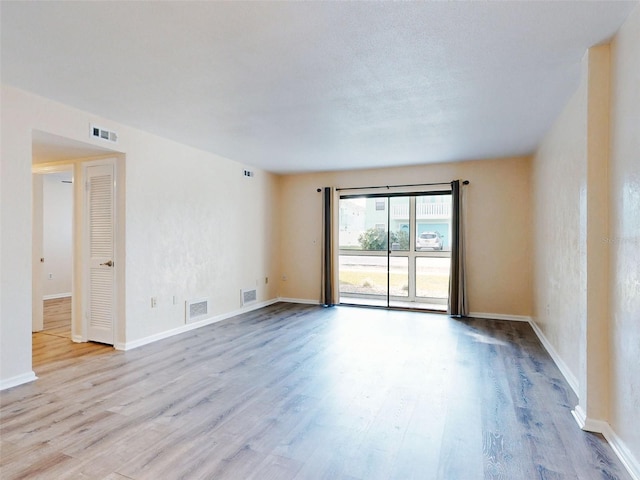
(51, 276)
(284, 278)
(154, 302)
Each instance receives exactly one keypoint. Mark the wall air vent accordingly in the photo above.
(103, 134)
(248, 296)
(196, 310)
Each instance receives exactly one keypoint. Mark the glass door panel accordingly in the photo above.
(432, 250)
(363, 238)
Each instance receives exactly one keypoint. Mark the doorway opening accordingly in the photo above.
(56, 263)
(65, 302)
(395, 250)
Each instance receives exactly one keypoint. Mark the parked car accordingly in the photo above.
(429, 240)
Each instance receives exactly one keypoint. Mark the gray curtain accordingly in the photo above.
(457, 306)
(327, 252)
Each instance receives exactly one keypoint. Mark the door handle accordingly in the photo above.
(107, 264)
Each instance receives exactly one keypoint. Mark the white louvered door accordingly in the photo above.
(100, 235)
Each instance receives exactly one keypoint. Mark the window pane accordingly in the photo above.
(432, 277)
(362, 225)
(363, 275)
(399, 228)
(399, 276)
(433, 223)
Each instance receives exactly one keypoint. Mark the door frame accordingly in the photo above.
(79, 276)
(412, 254)
(37, 244)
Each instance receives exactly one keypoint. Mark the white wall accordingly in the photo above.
(194, 227)
(15, 249)
(624, 236)
(57, 240)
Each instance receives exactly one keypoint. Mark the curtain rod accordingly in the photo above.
(465, 182)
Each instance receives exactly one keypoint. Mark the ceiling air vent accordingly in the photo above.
(103, 134)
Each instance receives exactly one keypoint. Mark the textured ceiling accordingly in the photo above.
(308, 86)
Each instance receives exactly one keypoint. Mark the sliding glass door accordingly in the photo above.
(394, 250)
(364, 263)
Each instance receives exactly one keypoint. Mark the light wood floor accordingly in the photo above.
(304, 392)
(57, 317)
(53, 344)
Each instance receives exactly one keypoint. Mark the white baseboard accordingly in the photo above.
(631, 463)
(621, 450)
(192, 326)
(628, 460)
(579, 416)
(500, 316)
(305, 301)
(207, 321)
(566, 373)
(17, 380)
(56, 295)
(588, 424)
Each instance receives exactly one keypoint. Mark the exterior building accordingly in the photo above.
(433, 214)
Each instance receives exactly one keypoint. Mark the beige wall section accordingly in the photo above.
(586, 196)
(559, 230)
(195, 226)
(594, 370)
(498, 228)
(624, 236)
(569, 181)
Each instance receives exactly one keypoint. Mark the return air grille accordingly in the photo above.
(249, 296)
(197, 309)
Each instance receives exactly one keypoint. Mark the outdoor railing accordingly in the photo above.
(423, 210)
